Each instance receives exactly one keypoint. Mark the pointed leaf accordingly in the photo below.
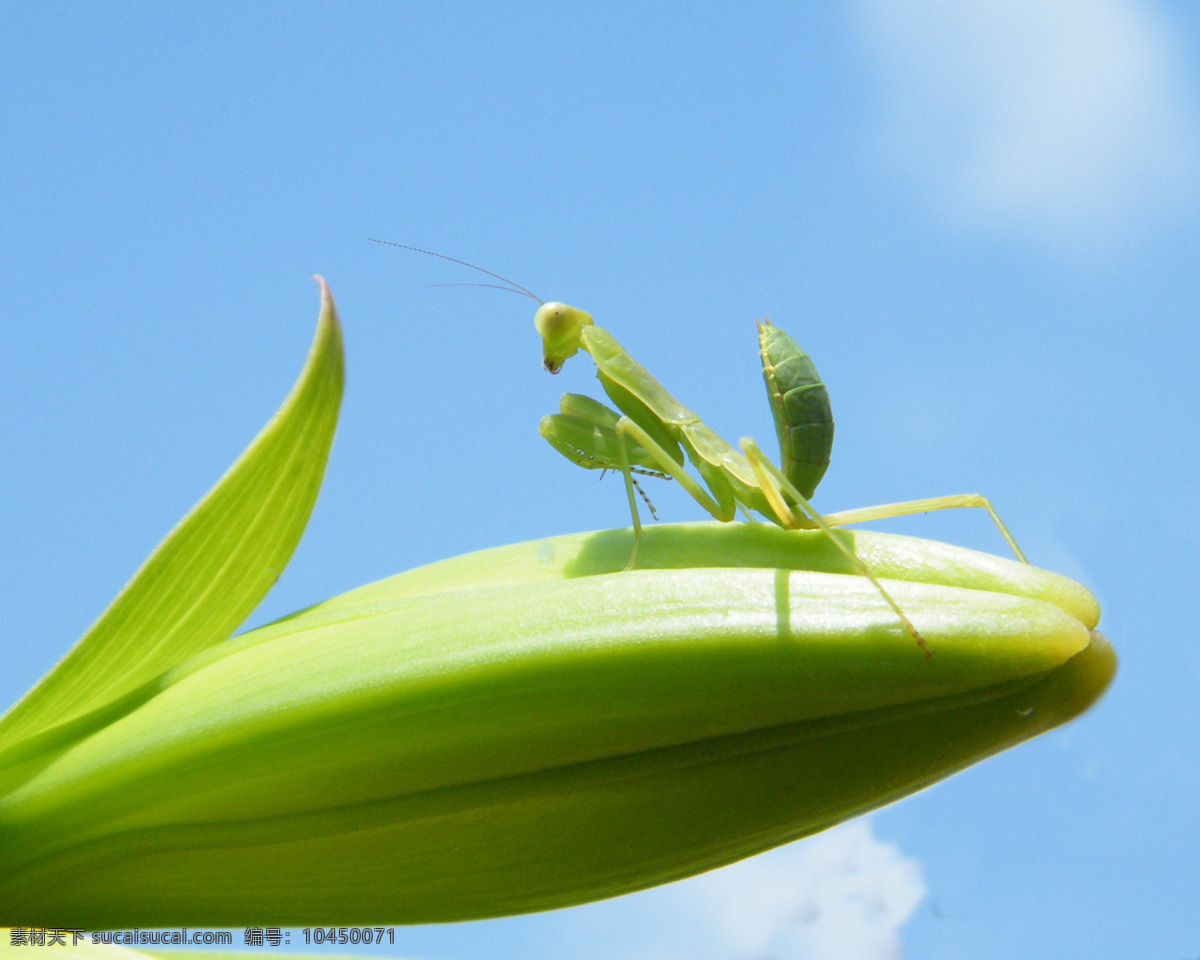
(211, 570)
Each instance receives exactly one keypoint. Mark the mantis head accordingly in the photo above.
(560, 327)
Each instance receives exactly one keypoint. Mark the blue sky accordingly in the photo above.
(981, 220)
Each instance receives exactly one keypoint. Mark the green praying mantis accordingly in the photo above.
(650, 432)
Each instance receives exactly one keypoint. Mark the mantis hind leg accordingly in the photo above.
(774, 484)
(908, 507)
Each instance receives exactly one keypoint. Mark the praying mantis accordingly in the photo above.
(653, 430)
(650, 432)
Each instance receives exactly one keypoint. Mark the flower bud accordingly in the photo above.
(531, 727)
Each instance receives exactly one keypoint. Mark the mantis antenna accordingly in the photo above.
(513, 286)
(492, 286)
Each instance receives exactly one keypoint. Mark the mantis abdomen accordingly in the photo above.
(800, 404)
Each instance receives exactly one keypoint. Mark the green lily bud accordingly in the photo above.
(522, 728)
(525, 728)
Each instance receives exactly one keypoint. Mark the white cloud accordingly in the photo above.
(840, 896)
(1060, 118)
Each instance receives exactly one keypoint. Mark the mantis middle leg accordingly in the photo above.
(627, 428)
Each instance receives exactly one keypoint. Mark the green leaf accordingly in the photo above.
(206, 576)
